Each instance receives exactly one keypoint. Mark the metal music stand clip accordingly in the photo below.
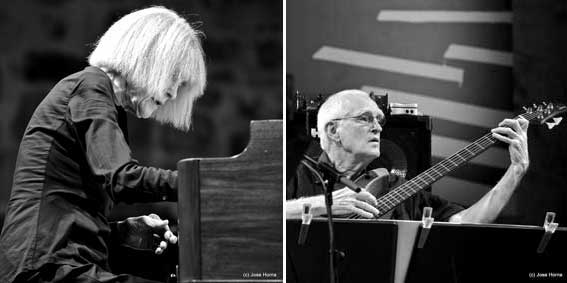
(426, 223)
(549, 227)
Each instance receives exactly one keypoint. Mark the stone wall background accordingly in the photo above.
(42, 41)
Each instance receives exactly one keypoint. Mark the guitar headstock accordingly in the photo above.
(547, 113)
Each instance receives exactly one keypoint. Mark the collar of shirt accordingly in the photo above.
(324, 158)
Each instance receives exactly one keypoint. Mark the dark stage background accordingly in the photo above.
(467, 71)
(540, 73)
(46, 40)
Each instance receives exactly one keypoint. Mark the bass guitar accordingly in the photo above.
(540, 114)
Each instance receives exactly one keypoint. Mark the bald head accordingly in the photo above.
(346, 103)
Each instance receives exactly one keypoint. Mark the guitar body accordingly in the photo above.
(377, 183)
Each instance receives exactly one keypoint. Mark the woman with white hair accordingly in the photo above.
(74, 161)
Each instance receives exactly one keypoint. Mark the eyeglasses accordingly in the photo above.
(366, 118)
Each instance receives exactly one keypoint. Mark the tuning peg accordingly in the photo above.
(314, 133)
(557, 120)
(534, 105)
(544, 103)
(550, 125)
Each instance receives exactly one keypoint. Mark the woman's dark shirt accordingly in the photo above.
(73, 164)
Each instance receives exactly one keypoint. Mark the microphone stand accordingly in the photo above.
(333, 270)
(330, 178)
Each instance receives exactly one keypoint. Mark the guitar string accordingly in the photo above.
(420, 181)
(469, 151)
(436, 172)
(472, 149)
(433, 173)
(413, 186)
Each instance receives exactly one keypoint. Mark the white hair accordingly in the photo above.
(338, 105)
(153, 49)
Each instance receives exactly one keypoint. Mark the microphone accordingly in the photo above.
(306, 217)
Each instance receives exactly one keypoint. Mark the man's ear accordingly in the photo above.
(332, 131)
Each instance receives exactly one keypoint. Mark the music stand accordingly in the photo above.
(488, 253)
(369, 248)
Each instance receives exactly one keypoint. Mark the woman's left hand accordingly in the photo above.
(147, 232)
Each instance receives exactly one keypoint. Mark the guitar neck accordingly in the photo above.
(541, 114)
(431, 175)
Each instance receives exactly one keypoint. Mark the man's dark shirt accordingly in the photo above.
(306, 184)
(73, 164)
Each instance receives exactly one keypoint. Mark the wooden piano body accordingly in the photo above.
(230, 212)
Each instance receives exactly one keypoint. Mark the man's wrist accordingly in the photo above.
(519, 169)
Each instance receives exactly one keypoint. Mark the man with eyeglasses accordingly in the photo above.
(349, 125)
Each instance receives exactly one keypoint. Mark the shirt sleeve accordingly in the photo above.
(95, 120)
(303, 184)
(291, 188)
(442, 208)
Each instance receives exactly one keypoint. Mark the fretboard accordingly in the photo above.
(396, 196)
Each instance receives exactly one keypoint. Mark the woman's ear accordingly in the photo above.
(332, 131)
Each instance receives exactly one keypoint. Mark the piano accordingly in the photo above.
(230, 212)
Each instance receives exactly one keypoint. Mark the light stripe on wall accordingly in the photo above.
(429, 16)
(390, 64)
(445, 146)
(445, 109)
(479, 55)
